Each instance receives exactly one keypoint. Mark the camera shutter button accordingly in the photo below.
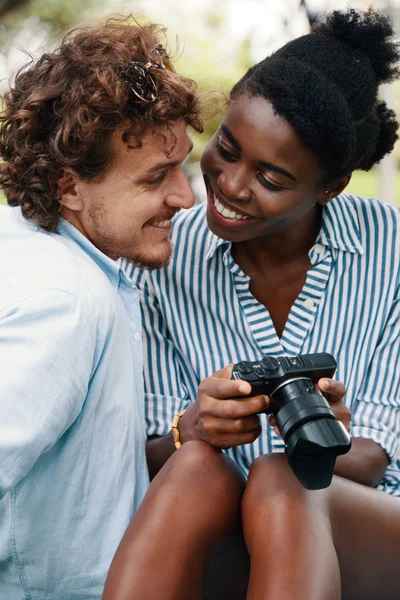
(259, 372)
(270, 363)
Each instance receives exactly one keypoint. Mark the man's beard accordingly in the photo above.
(151, 263)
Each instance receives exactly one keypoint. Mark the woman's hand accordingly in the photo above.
(334, 392)
(222, 415)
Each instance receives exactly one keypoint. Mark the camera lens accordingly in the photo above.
(313, 436)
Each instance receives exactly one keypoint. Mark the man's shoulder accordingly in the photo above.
(34, 261)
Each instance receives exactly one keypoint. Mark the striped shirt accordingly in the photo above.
(199, 316)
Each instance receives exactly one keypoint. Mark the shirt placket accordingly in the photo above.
(304, 310)
(302, 313)
(257, 316)
(129, 296)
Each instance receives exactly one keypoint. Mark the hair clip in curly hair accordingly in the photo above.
(137, 76)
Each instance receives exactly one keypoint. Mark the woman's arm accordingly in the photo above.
(218, 416)
(366, 462)
(158, 451)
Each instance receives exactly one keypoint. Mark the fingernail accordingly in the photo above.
(326, 384)
(243, 389)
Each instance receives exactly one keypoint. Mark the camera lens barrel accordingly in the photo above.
(297, 401)
(313, 436)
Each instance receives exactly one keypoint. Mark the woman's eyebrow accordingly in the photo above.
(230, 137)
(272, 167)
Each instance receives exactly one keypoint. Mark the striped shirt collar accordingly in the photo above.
(338, 230)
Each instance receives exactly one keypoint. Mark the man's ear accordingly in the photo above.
(68, 188)
(334, 189)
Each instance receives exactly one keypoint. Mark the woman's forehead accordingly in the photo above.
(265, 136)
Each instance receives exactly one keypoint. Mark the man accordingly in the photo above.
(92, 139)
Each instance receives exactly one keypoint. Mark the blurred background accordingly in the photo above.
(217, 40)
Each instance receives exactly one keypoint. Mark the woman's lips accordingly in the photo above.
(225, 215)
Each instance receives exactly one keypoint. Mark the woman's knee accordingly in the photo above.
(271, 475)
(207, 470)
(273, 484)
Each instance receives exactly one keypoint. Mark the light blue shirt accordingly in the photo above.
(199, 315)
(72, 436)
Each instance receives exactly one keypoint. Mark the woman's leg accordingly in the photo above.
(287, 531)
(342, 542)
(227, 574)
(366, 531)
(191, 504)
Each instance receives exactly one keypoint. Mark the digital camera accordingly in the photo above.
(313, 436)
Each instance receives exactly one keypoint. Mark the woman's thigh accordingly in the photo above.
(366, 533)
(227, 575)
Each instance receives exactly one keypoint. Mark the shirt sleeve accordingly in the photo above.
(46, 356)
(376, 413)
(165, 392)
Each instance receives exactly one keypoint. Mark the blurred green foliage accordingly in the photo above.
(59, 14)
(200, 60)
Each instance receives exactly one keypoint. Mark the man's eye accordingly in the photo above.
(225, 153)
(158, 179)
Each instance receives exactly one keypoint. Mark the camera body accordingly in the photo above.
(313, 436)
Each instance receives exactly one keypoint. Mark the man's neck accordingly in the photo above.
(72, 218)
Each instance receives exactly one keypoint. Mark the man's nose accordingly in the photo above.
(183, 197)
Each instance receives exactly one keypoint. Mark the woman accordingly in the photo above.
(289, 265)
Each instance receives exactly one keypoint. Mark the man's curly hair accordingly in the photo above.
(325, 84)
(63, 109)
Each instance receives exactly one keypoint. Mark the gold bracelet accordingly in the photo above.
(175, 430)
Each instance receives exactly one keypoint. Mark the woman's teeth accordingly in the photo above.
(228, 213)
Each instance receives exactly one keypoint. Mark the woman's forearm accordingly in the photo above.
(366, 462)
(158, 451)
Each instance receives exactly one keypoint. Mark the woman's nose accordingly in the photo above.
(234, 184)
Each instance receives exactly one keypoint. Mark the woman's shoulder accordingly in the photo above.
(369, 205)
(371, 227)
(371, 216)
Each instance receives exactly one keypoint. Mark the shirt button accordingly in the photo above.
(318, 248)
(309, 303)
(137, 337)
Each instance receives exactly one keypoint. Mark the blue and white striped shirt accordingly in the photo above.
(199, 315)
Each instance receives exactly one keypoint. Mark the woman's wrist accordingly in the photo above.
(186, 426)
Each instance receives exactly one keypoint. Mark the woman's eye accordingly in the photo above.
(225, 153)
(267, 184)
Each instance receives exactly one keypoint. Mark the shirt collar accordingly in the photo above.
(109, 267)
(340, 228)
